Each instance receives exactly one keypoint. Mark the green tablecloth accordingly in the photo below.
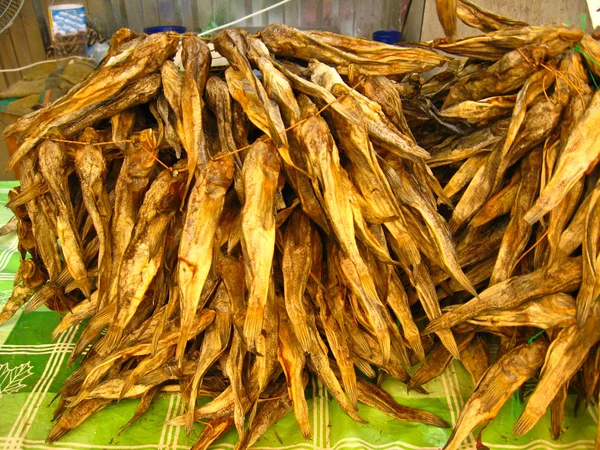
(33, 368)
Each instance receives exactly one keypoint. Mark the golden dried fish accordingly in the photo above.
(381, 130)
(76, 416)
(214, 344)
(579, 152)
(144, 253)
(292, 360)
(271, 411)
(91, 170)
(481, 111)
(512, 292)
(371, 58)
(590, 285)
(374, 396)
(407, 190)
(196, 60)
(565, 356)
(550, 311)
(122, 125)
(250, 93)
(477, 17)
(446, 10)
(102, 84)
(18, 297)
(502, 77)
(498, 204)
(53, 165)
(465, 174)
(437, 362)
(296, 264)
(384, 91)
(260, 173)
(493, 46)
(495, 388)
(475, 358)
(136, 93)
(205, 205)
(518, 232)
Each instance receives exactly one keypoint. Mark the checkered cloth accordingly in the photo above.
(33, 368)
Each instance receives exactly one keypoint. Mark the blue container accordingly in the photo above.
(160, 29)
(387, 36)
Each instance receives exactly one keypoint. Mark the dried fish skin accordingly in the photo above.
(502, 77)
(144, 253)
(551, 311)
(195, 255)
(565, 356)
(196, 60)
(260, 173)
(512, 292)
(137, 93)
(446, 10)
(53, 165)
(342, 51)
(493, 46)
(106, 82)
(495, 388)
(477, 17)
(46, 243)
(579, 153)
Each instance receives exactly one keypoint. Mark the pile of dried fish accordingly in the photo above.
(317, 208)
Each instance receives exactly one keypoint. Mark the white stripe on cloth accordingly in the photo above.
(50, 372)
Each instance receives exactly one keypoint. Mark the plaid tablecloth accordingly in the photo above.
(33, 368)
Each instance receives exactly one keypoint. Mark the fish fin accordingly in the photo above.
(112, 337)
(535, 213)
(449, 342)
(253, 326)
(526, 422)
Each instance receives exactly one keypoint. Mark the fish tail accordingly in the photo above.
(449, 342)
(303, 335)
(583, 312)
(526, 422)
(126, 387)
(350, 386)
(253, 325)
(189, 416)
(183, 338)
(84, 285)
(112, 337)
(535, 213)
(459, 434)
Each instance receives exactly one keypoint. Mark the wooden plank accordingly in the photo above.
(224, 12)
(346, 17)
(187, 15)
(291, 13)
(135, 17)
(33, 35)
(119, 14)
(331, 9)
(204, 13)
(367, 18)
(150, 13)
(274, 15)
(19, 42)
(9, 58)
(166, 12)
(258, 21)
(412, 30)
